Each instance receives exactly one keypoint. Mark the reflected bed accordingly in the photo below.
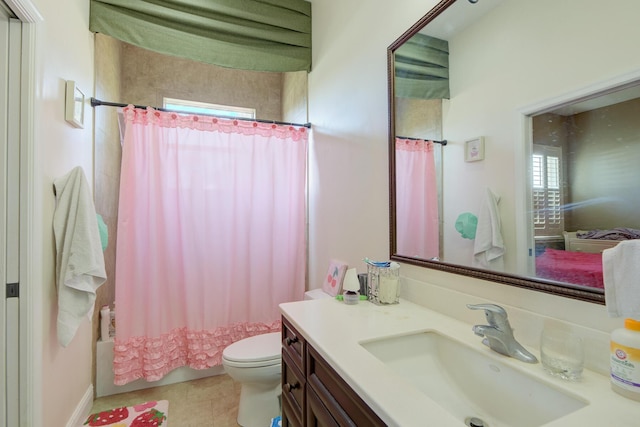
(581, 268)
(580, 263)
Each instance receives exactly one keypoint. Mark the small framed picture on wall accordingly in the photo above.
(74, 105)
(474, 149)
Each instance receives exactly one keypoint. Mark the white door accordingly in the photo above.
(10, 60)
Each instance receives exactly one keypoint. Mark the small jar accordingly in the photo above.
(351, 297)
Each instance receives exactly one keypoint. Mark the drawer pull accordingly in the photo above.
(290, 341)
(288, 387)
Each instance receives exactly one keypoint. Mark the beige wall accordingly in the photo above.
(64, 50)
(601, 153)
(604, 167)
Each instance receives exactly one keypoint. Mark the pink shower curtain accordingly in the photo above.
(211, 237)
(416, 199)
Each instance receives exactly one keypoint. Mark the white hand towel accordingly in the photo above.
(79, 259)
(488, 247)
(621, 274)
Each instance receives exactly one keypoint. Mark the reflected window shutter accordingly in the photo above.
(548, 215)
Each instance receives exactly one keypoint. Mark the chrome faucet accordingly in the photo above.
(498, 335)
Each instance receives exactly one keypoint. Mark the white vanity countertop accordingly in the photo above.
(335, 330)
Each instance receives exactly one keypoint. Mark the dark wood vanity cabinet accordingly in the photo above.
(293, 379)
(313, 394)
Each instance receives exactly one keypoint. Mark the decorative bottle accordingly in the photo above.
(112, 322)
(105, 321)
(625, 360)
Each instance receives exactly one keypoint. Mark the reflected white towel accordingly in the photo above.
(488, 247)
(621, 274)
(79, 259)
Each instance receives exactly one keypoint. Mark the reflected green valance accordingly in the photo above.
(259, 35)
(422, 68)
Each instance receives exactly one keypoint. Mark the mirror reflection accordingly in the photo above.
(514, 144)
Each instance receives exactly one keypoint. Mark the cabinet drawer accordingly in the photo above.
(293, 390)
(293, 344)
(343, 403)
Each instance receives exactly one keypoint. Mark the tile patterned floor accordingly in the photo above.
(207, 402)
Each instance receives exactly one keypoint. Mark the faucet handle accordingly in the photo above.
(494, 308)
(496, 315)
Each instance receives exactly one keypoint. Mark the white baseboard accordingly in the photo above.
(83, 409)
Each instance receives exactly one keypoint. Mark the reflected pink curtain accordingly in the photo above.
(416, 199)
(211, 237)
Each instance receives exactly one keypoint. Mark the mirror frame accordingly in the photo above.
(534, 284)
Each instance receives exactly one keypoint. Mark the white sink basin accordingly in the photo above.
(469, 383)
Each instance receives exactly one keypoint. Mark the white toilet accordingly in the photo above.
(256, 363)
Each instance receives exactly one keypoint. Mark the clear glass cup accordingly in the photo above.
(562, 354)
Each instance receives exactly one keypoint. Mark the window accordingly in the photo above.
(195, 107)
(548, 216)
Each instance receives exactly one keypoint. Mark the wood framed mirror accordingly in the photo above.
(520, 75)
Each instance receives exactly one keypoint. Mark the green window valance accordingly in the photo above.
(259, 35)
(422, 68)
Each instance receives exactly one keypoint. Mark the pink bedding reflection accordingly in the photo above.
(580, 268)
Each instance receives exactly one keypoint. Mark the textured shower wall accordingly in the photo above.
(147, 77)
(419, 118)
(108, 153)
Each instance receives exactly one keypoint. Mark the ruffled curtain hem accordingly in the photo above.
(152, 358)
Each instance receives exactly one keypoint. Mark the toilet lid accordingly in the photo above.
(259, 348)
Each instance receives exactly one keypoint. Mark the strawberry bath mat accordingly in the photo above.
(149, 414)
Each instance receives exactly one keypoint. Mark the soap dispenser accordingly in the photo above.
(625, 360)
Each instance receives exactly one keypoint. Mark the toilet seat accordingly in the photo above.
(255, 351)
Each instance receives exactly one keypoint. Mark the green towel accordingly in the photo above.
(466, 225)
(104, 233)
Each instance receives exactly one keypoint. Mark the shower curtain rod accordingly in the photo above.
(443, 142)
(96, 103)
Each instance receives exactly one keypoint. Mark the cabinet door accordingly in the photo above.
(317, 414)
(347, 408)
(290, 416)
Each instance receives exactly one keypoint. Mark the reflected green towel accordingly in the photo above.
(466, 225)
(104, 233)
